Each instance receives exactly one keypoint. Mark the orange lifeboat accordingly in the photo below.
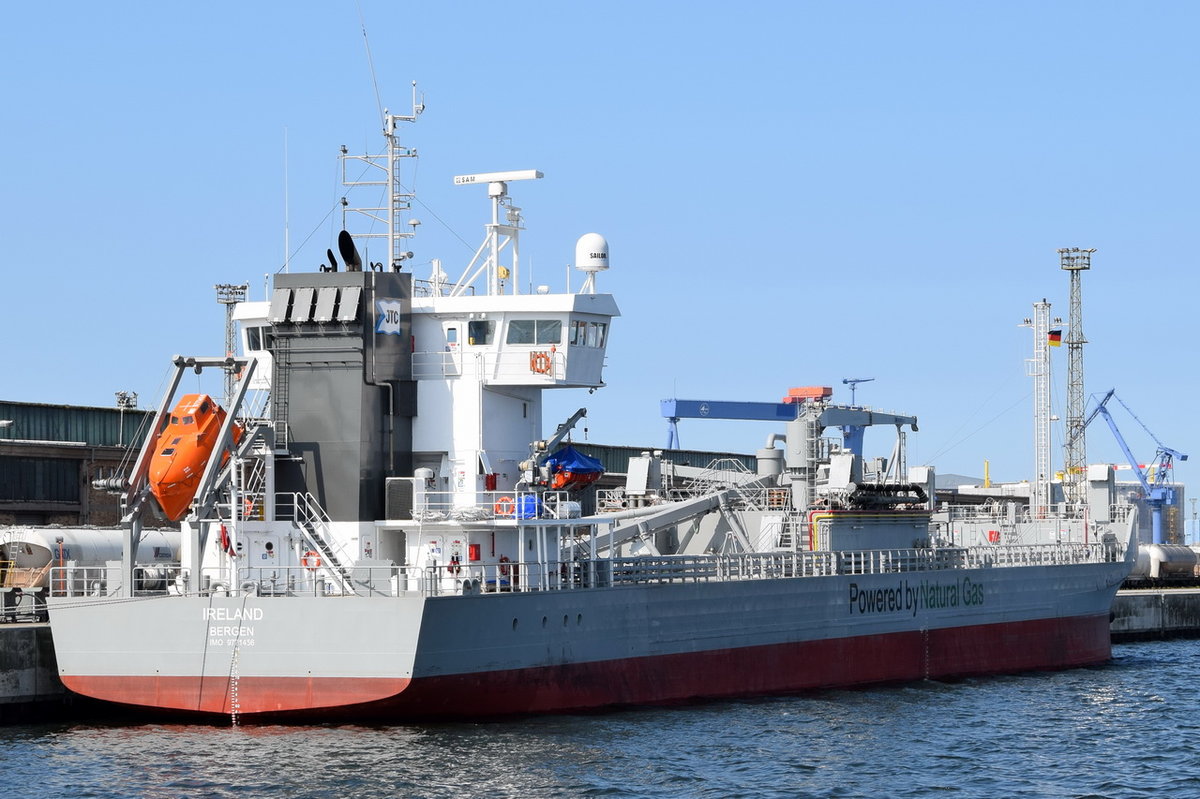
(182, 451)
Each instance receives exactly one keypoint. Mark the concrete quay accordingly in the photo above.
(29, 686)
(1139, 615)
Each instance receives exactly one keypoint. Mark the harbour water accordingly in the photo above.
(1120, 730)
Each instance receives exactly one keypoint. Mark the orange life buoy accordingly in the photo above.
(504, 506)
(311, 560)
(504, 567)
(539, 362)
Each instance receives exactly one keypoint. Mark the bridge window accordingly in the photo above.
(588, 334)
(596, 334)
(480, 333)
(534, 331)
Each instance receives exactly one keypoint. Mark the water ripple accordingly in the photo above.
(1117, 731)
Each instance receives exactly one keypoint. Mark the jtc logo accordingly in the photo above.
(388, 315)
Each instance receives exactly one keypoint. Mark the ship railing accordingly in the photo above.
(427, 365)
(614, 500)
(301, 581)
(524, 364)
(23, 605)
(521, 365)
(583, 573)
(434, 506)
(1004, 510)
(758, 498)
(518, 366)
(970, 525)
(149, 579)
(423, 287)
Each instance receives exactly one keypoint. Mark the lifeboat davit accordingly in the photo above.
(183, 450)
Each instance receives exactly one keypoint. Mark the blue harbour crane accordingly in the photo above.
(1153, 477)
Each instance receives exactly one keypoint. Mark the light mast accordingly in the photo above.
(1075, 261)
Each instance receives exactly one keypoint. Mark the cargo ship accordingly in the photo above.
(388, 534)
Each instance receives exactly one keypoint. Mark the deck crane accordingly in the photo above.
(1158, 493)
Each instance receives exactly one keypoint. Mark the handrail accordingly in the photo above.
(436, 506)
(588, 573)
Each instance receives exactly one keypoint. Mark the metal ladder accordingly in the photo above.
(309, 520)
(279, 390)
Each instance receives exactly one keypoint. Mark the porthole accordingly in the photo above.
(514, 625)
(544, 620)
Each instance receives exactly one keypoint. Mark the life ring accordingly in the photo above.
(505, 506)
(505, 570)
(539, 362)
(311, 560)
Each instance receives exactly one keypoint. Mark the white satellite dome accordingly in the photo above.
(591, 253)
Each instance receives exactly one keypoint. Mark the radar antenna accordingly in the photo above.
(499, 235)
(853, 383)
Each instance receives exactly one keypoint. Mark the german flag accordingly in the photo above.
(1056, 338)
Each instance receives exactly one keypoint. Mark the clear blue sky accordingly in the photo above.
(793, 193)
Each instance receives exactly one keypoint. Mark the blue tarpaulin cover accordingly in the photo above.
(569, 459)
(572, 470)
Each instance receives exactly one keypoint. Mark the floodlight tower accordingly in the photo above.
(1075, 261)
(230, 295)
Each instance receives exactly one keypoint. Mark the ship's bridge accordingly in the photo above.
(542, 340)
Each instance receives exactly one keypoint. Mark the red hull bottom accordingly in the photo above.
(779, 668)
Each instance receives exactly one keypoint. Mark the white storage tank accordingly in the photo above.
(29, 550)
(1159, 561)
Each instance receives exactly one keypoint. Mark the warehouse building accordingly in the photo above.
(50, 454)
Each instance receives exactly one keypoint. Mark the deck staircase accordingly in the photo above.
(312, 522)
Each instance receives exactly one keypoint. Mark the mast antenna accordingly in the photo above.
(385, 171)
(1038, 367)
(371, 65)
